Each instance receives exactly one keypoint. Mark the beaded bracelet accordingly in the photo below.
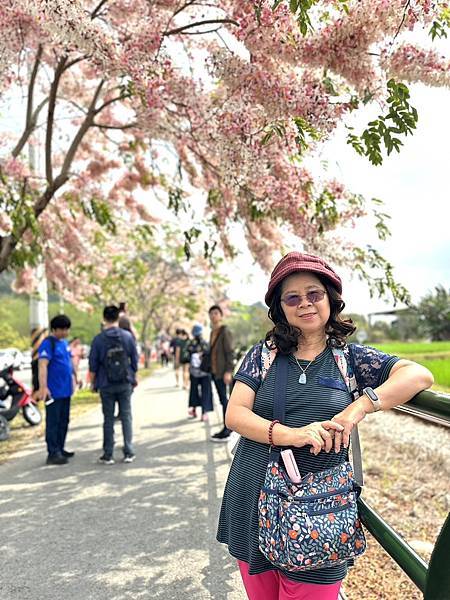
(271, 426)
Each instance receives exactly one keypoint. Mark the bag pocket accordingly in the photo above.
(323, 532)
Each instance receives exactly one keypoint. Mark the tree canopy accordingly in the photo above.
(132, 103)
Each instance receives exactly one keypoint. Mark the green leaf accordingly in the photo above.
(403, 118)
(441, 24)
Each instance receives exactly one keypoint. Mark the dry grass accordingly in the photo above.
(22, 433)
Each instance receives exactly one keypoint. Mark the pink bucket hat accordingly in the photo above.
(296, 261)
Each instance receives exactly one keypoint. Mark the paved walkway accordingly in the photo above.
(86, 531)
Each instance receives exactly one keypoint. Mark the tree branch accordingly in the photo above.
(74, 62)
(405, 11)
(81, 132)
(187, 5)
(198, 23)
(111, 101)
(121, 127)
(50, 119)
(29, 130)
(31, 86)
(215, 30)
(98, 8)
(29, 115)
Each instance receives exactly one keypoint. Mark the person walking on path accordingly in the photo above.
(185, 357)
(175, 347)
(77, 352)
(113, 363)
(199, 379)
(222, 359)
(304, 299)
(38, 335)
(125, 323)
(56, 385)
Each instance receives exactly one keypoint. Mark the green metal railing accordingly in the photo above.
(430, 404)
(433, 579)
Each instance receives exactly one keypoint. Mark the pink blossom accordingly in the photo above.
(6, 225)
(25, 282)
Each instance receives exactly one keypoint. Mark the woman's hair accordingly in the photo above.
(285, 337)
(124, 323)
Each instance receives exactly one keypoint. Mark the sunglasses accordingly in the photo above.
(313, 297)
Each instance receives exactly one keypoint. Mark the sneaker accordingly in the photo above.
(106, 460)
(192, 413)
(128, 458)
(57, 459)
(221, 436)
(68, 454)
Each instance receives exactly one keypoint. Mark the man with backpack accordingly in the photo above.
(113, 363)
(56, 385)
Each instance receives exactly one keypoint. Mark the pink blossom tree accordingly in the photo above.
(162, 291)
(237, 92)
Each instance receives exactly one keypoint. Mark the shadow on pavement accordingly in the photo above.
(146, 530)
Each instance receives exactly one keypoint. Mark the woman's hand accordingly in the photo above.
(318, 435)
(348, 418)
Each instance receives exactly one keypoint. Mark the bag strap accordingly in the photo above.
(344, 362)
(279, 401)
(216, 339)
(281, 377)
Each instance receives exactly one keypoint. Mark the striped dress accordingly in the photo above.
(322, 396)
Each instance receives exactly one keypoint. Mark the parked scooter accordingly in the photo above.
(14, 396)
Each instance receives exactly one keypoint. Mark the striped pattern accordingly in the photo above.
(319, 399)
(37, 337)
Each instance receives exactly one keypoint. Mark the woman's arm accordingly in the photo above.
(241, 418)
(405, 380)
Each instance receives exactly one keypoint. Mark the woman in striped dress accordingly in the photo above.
(304, 299)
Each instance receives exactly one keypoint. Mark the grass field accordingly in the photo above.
(404, 348)
(433, 355)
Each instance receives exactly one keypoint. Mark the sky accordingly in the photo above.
(414, 185)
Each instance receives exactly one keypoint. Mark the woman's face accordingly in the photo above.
(309, 315)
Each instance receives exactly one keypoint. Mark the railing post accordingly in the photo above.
(438, 577)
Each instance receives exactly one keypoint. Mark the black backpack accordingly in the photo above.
(185, 355)
(116, 360)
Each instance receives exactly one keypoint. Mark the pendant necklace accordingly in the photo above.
(302, 378)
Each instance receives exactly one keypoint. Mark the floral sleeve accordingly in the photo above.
(371, 365)
(250, 370)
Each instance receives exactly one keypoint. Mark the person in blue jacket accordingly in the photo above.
(56, 385)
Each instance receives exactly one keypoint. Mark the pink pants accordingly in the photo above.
(273, 585)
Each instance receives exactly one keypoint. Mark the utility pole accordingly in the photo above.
(38, 300)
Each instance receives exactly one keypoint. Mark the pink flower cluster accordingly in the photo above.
(409, 63)
(210, 123)
(6, 224)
